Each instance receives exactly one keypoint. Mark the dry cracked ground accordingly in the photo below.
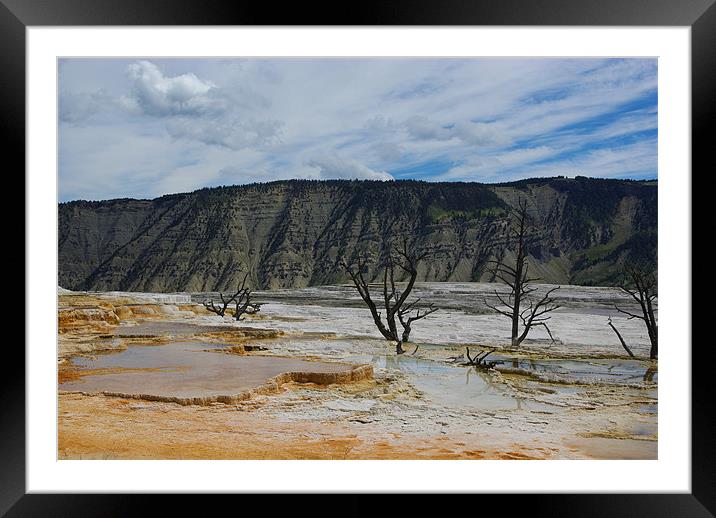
(156, 376)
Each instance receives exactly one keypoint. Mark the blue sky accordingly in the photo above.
(146, 127)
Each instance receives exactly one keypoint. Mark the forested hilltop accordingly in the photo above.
(296, 233)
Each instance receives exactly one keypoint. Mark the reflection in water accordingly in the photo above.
(594, 370)
(448, 385)
(453, 386)
(488, 382)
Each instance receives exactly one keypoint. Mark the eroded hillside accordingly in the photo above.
(296, 233)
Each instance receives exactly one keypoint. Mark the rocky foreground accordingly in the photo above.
(578, 397)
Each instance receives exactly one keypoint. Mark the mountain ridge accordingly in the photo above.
(294, 233)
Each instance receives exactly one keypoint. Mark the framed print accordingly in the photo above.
(433, 250)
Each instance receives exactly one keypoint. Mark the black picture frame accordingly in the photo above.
(700, 15)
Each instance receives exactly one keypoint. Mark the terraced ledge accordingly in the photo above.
(272, 386)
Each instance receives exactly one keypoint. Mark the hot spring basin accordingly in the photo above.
(190, 373)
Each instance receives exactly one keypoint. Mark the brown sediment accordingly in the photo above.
(81, 342)
(194, 308)
(234, 349)
(102, 317)
(143, 340)
(238, 335)
(612, 448)
(129, 311)
(89, 324)
(93, 319)
(271, 386)
(97, 427)
(94, 313)
(515, 455)
(619, 434)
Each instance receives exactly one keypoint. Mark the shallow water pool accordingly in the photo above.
(453, 386)
(185, 370)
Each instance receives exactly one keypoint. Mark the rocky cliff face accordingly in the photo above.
(296, 233)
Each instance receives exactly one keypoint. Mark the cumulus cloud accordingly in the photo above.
(197, 109)
(333, 167)
(153, 93)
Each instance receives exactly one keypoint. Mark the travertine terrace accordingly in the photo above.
(342, 393)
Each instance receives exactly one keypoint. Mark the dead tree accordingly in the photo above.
(242, 299)
(406, 318)
(405, 259)
(640, 283)
(219, 310)
(479, 359)
(519, 281)
(619, 335)
(244, 304)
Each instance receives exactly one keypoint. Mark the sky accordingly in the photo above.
(145, 127)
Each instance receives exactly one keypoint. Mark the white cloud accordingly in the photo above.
(421, 128)
(197, 109)
(113, 161)
(637, 160)
(480, 134)
(472, 133)
(388, 151)
(379, 124)
(153, 93)
(333, 167)
(486, 167)
(76, 108)
(634, 160)
(227, 132)
(219, 121)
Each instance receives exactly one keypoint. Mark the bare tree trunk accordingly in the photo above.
(406, 332)
(399, 347)
(394, 300)
(652, 329)
(624, 345)
(641, 285)
(407, 323)
(517, 278)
